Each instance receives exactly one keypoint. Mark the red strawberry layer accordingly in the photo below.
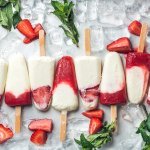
(90, 94)
(138, 59)
(65, 73)
(118, 97)
(42, 97)
(22, 99)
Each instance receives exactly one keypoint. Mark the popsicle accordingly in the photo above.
(113, 88)
(88, 73)
(65, 91)
(137, 70)
(17, 92)
(3, 76)
(41, 73)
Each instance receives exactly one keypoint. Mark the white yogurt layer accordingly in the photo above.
(88, 71)
(137, 80)
(64, 98)
(3, 75)
(41, 71)
(17, 79)
(113, 77)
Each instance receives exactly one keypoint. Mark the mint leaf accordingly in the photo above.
(57, 6)
(16, 19)
(64, 11)
(97, 140)
(3, 3)
(85, 143)
(6, 15)
(148, 123)
(144, 130)
(77, 141)
(9, 13)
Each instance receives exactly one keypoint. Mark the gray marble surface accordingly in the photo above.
(110, 19)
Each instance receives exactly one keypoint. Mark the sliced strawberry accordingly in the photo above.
(41, 124)
(27, 40)
(5, 134)
(90, 94)
(94, 114)
(135, 27)
(25, 27)
(121, 45)
(39, 137)
(37, 28)
(42, 97)
(95, 125)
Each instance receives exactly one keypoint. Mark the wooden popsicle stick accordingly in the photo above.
(42, 43)
(143, 36)
(87, 41)
(63, 125)
(17, 119)
(114, 116)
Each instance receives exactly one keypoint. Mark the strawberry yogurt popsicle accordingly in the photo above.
(3, 76)
(65, 86)
(17, 92)
(41, 73)
(113, 88)
(88, 73)
(137, 76)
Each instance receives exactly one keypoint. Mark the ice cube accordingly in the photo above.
(97, 38)
(38, 12)
(134, 142)
(114, 15)
(56, 36)
(132, 11)
(27, 3)
(26, 13)
(81, 6)
(135, 113)
(91, 12)
(129, 2)
(145, 9)
(113, 33)
(5, 119)
(3, 32)
(81, 17)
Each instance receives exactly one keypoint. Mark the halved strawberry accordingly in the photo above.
(42, 97)
(25, 27)
(5, 134)
(121, 45)
(41, 124)
(37, 28)
(39, 137)
(95, 125)
(135, 27)
(94, 114)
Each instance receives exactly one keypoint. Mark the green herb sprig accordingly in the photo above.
(64, 11)
(144, 130)
(97, 140)
(9, 13)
